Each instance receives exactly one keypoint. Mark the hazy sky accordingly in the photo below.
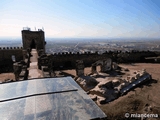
(82, 18)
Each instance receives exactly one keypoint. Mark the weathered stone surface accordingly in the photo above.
(101, 100)
(87, 82)
(33, 39)
(93, 97)
(114, 66)
(105, 65)
(17, 70)
(137, 76)
(107, 84)
(115, 82)
(79, 68)
(122, 85)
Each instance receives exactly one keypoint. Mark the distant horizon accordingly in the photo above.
(13, 37)
(19, 39)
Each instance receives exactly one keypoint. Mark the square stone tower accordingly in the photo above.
(33, 39)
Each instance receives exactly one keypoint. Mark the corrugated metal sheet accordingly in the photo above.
(46, 99)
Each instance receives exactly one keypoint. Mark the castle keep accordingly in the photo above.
(33, 39)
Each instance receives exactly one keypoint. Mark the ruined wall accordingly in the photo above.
(68, 60)
(89, 58)
(134, 56)
(6, 63)
(33, 36)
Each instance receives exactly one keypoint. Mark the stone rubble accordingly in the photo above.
(106, 90)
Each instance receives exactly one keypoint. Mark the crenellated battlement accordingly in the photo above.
(11, 48)
(77, 53)
(138, 53)
(67, 59)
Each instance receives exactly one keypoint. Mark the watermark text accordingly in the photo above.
(137, 115)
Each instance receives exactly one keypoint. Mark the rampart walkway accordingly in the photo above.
(34, 72)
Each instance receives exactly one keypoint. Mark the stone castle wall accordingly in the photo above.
(6, 62)
(68, 60)
(134, 56)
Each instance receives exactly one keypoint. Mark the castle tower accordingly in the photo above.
(33, 39)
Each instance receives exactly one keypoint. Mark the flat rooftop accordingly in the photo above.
(48, 99)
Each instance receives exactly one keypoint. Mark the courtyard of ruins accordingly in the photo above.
(144, 98)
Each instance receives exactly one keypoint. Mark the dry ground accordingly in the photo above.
(4, 76)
